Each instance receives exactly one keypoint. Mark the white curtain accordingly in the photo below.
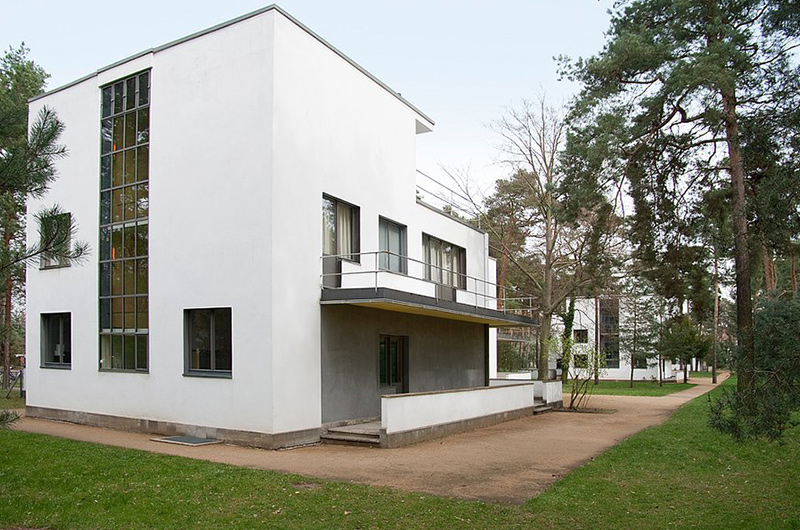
(344, 230)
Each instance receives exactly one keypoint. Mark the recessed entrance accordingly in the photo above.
(393, 364)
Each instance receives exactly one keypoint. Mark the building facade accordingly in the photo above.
(260, 264)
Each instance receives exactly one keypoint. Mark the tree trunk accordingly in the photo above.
(716, 319)
(7, 286)
(686, 372)
(744, 298)
(770, 275)
(544, 345)
(566, 340)
(635, 338)
(596, 361)
(501, 281)
(793, 272)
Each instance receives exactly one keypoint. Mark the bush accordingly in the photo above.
(765, 409)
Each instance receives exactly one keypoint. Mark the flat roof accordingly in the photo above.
(231, 22)
(404, 302)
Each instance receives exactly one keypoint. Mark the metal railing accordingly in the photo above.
(484, 293)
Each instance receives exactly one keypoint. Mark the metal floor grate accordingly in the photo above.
(193, 441)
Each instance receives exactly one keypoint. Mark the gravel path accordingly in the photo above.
(509, 462)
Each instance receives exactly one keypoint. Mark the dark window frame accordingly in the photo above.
(45, 340)
(123, 269)
(580, 336)
(403, 254)
(354, 256)
(608, 327)
(461, 276)
(401, 366)
(188, 371)
(58, 262)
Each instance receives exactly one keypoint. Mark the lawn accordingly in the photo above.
(13, 401)
(705, 374)
(623, 388)
(680, 474)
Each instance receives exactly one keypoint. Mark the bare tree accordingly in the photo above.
(557, 256)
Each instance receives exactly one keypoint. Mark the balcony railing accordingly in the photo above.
(383, 268)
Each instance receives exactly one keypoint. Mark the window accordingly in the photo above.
(340, 229)
(392, 243)
(581, 336)
(608, 309)
(124, 224)
(56, 340)
(56, 236)
(445, 263)
(208, 342)
(392, 361)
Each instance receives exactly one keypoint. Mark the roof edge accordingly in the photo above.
(271, 7)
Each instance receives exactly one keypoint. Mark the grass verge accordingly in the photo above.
(680, 474)
(12, 402)
(623, 388)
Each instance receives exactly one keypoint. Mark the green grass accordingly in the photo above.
(680, 474)
(623, 388)
(13, 401)
(699, 375)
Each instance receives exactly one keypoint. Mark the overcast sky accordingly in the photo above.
(460, 62)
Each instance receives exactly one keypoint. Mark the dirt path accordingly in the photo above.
(509, 462)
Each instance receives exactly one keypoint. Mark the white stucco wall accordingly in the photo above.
(585, 318)
(209, 179)
(250, 125)
(405, 412)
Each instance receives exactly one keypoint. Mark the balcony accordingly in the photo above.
(389, 281)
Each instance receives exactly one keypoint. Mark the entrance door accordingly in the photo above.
(393, 364)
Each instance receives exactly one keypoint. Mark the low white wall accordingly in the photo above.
(547, 391)
(406, 412)
(515, 376)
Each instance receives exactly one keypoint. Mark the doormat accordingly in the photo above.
(193, 441)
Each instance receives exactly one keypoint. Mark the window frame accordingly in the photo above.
(58, 262)
(403, 254)
(188, 371)
(123, 269)
(354, 256)
(44, 362)
(461, 254)
(582, 340)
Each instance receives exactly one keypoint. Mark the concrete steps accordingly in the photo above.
(364, 434)
(350, 439)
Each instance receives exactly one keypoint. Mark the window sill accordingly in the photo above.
(51, 267)
(209, 374)
(56, 366)
(123, 371)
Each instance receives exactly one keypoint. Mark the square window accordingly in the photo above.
(445, 263)
(56, 340)
(581, 336)
(208, 342)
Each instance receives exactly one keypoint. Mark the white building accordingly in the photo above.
(210, 176)
(601, 323)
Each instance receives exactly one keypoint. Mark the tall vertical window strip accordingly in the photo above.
(124, 206)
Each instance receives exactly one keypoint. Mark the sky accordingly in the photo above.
(462, 63)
